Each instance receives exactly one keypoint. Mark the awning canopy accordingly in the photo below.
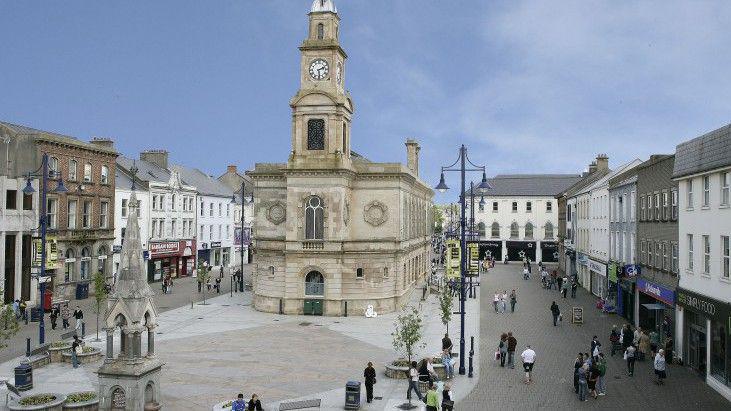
(654, 306)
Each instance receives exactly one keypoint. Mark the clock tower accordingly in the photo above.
(321, 110)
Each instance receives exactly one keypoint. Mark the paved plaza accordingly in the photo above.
(556, 349)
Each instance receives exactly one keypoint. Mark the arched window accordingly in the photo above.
(314, 283)
(495, 230)
(320, 31)
(102, 260)
(72, 170)
(314, 218)
(69, 264)
(53, 166)
(514, 230)
(549, 229)
(105, 175)
(528, 230)
(87, 172)
(481, 229)
(85, 263)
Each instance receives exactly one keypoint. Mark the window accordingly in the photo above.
(643, 252)
(495, 230)
(228, 210)
(210, 209)
(228, 231)
(689, 186)
(345, 138)
(657, 206)
(725, 260)
(314, 283)
(210, 232)
(514, 230)
(173, 200)
(153, 231)
(103, 212)
(11, 199)
(658, 255)
(53, 167)
(73, 165)
(643, 211)
(202, 231)
(706, 191)
(665, 206)
(665, 263)
(674, 264)
(173, 228)
(51, 212)
(69, 263)
(87, 173)
(623, 206)
(220, 229)
(650, 251)
(72, 211)
(674, 205)
(549, 230)
(706, 254)
(359, 273)
(515, 206)
(85, 263)
(86, 215)
(316, 134)
(528, 207)
(124, 207)
(649, 208)
(320, 31)
(549, 206)
(528, 230)
(314, 219)
(632, 206)
(494, 207)
(690, 252)
(27, 201)
(725, 181)
(202, 209)
(385, 272)
(632, 248)
(105, 175)
(220, 209)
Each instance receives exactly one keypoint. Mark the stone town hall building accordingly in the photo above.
(334, 231)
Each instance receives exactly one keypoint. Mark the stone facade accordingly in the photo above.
(332, 229)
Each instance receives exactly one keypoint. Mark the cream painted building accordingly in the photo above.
(333, 231)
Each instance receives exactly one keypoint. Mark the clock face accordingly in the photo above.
(339, 74)
(319, 69)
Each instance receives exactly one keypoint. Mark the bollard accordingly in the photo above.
(83, 329)
(346, 309)
(191, 303)
(27, 347)
(232, 287)
(281, 307)
(472, 345)
(469, 373)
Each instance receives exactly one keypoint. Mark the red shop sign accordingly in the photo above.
(169, 247)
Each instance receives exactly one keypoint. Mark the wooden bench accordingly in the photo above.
(299, 405)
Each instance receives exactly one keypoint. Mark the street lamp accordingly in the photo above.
(44, 175)
(243, 219)
(442, 187)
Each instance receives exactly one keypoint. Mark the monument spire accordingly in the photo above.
(131, 282)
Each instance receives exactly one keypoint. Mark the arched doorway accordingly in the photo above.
(314, 292)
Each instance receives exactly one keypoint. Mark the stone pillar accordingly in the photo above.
(110, 344)
(122, 343)
(150, 342)
(130, 345)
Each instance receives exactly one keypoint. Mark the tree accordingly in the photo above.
(100, 296)
(204, 273)
(445, 304)
(438, 218)
(408, 332)
(8, 323)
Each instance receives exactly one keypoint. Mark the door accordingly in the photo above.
(313, 307)
(697, 350)
(9, 286)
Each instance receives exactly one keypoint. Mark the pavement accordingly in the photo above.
(557, 347)
(213, 352)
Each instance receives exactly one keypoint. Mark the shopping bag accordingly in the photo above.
(497, 355)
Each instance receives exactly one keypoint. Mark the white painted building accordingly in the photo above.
(234, 180)
(520, 216)
(703, 314)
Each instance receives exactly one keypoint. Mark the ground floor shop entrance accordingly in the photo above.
(520, 250)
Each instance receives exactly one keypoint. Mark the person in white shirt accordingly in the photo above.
(413, 382)
(529, 358)
(495, 301)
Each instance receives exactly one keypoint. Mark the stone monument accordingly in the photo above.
(131, 380)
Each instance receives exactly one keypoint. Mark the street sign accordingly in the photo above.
(577, 315)
(46, 279)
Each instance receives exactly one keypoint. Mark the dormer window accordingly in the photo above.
(320, 31)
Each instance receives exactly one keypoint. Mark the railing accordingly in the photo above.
(313, 245)
(314, 288)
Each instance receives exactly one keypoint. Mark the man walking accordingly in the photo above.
(369, 374)
(65, 315)
(529, 358)
(574, 286)
(512, 344)
(556, 312)
(513, 300)
(79, 316)
(601, 386)
(660, 366)
(413, 382)
(565, 287)
(75, 350)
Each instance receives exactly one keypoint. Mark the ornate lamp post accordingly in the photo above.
(44, 174)
(243, 220)
(442, 187)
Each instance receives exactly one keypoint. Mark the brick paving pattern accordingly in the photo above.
(556, 349)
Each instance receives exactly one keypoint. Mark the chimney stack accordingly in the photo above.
(102, 142)
(232, 169)
(592, 167)
(158, 157)
(602, 162)
(412, 155)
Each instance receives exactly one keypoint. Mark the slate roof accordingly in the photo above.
(146, 171)
(585, 182)
(530, 184)
(707, 152)
(204, 183)
(56, 137)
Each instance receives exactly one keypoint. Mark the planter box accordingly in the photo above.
(56, 353)
(84, 358)
(402, 373)
(91, 405)
(55, 405)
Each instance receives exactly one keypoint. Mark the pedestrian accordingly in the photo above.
(629, 355)
(578, 363)
(254, 403)
(65, 315)
(556, 312)
(200, 283)
(447, 363)
(513, 300)
(544, 279)
(239, 404)
(170, 285)
(208, 283)
(495, 301)
(503, 349)
(565, 287)
(512, 344)
(654, 342)
(644, 345)
(560, 283)
(447, 402)
(526, 274)
(592, 379)
(164, 285)
(23, 313)
(424, 375)
(626, 336)
(614, 339)
(16, 309)
(574, 286)
(447, 343)
(660, 367)
(79, 316)
(602, 383)
(75, 351)
(432, 398)
(54, 317)
(529, 359)
(218, 285)
(583, 383)
(595, 344)
(413, 382)
(369, 374)
(554, 277)
(668, 350)
(430, 368)
(504, 300)
(636, 336)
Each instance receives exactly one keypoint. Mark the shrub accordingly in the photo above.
(81, 397)
(37, 399)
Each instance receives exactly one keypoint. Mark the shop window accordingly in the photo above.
(719, 355)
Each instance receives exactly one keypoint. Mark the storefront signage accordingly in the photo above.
(116, 249)
(204, 246)
(712, 308)
(582, 259)
(597, 267)
(657, 291)
(577, 315)
(215, 244)
(51, 252)
(613, 272)
(167, 247)
(631, 270)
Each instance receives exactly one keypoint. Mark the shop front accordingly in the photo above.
(491, 249)
(657, 307)
(549, 251)
(582, 270)
(520, 250)
(598, 272)
(174, 258)
(613, 286)
(706, 332)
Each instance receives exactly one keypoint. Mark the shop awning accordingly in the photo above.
(654, 306)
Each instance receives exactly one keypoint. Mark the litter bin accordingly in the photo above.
(82, 291)
(24, 376)
(352, 395)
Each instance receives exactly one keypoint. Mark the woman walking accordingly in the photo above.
(583, 383)
(513, 300)
(593, 377)
(503, 348)
(503, 300)
(644, 345)
(629, 355)
(495, 301)
(660, 367)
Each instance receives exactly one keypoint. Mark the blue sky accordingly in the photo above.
(528, 86)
